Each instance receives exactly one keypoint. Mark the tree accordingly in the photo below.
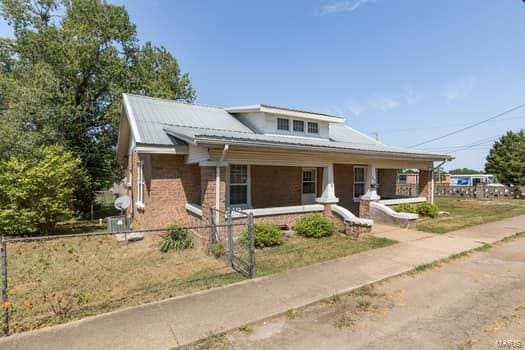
(464, 171)
(62, 77)
(37, 191)
(506, 158)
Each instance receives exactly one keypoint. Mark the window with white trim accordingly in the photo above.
(239, 184)
(359, 182)
(298, 125)
(140, 182)
(402, 179)
(313, 128)
(309, 181)
(283, 124)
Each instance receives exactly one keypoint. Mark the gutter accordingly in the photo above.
(385, 154)
(218, 184)
(432, 182)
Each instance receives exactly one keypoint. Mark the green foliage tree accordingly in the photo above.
(39, 190)
(464, 171)
(62, 76)
(506, 158)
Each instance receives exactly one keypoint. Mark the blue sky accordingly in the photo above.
(409, 70)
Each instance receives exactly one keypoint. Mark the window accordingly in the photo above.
(239, 184)
(313, 128)
(359, 182)
(283, 124)
(298, 125)
(309, 181)
(140, 182)
(402, 180)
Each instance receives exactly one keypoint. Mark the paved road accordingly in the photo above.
(474, 301)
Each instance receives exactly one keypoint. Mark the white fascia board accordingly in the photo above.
(285, 112)
(131, 118)
(380, 154)
(178, 149)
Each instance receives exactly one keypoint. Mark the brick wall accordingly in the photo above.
(387, 179)
(425, 184)
(344, 186)
(275, 186)
(170, 184)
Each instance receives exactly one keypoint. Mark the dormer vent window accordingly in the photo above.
(283, 124)
(313, 128)
(298, 126)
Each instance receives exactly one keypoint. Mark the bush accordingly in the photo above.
(315, 226)
(38, 190)
(265, 235)
(406, 208)
(218, 250)
(177, 238)
(428, 209)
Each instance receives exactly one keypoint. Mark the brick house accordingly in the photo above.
(277, 163)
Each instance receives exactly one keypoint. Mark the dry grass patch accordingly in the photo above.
(59, 280)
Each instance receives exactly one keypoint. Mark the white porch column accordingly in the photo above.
(328, 195)
(371, 184)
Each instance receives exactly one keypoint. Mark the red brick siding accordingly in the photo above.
(275, 186)
(344, 186)
(387, 179)
(425, 184)
(170, 184)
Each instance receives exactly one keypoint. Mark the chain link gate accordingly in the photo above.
(239, 246)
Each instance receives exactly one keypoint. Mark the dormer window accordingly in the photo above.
(283, 124)
(313, 128)
(298, 126)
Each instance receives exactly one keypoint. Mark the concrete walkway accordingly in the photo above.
(185, 319)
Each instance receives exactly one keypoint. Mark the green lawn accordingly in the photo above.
(470, 212)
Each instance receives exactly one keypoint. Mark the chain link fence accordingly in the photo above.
(48, 280)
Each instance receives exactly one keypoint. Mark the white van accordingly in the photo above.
(474, 179)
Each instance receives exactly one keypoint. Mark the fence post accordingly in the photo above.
(251, 234)
(5, 300)
(230, 237)
(211, 241)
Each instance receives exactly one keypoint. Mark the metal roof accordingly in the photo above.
(156, 121)
(210, 136)
(149, 114)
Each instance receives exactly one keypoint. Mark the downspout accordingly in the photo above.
(218, 184)
(432, 183)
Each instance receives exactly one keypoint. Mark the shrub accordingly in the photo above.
(177, 238)
(218, 250)
(315, 226)
(406, 208)
(265, 235)
(428, 209)
(38, 190)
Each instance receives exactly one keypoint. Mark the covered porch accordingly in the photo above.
(280, 187)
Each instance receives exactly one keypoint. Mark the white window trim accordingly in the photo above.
(308, 129)
(358, 199)
(297, 131)
(248, 188)
(277, 124)
(141, 184)
(314, 180)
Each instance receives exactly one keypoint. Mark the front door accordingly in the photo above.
(309, 185)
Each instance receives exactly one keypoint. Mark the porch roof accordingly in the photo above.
(208, 136)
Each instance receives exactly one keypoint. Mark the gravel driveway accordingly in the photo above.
(469, 303)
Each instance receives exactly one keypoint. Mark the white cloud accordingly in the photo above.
(343, 6)
(385, 104)
(458, 89)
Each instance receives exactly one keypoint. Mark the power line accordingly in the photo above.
(469, 126)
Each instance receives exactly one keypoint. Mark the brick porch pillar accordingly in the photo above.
(209, 189)
(425, 185)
